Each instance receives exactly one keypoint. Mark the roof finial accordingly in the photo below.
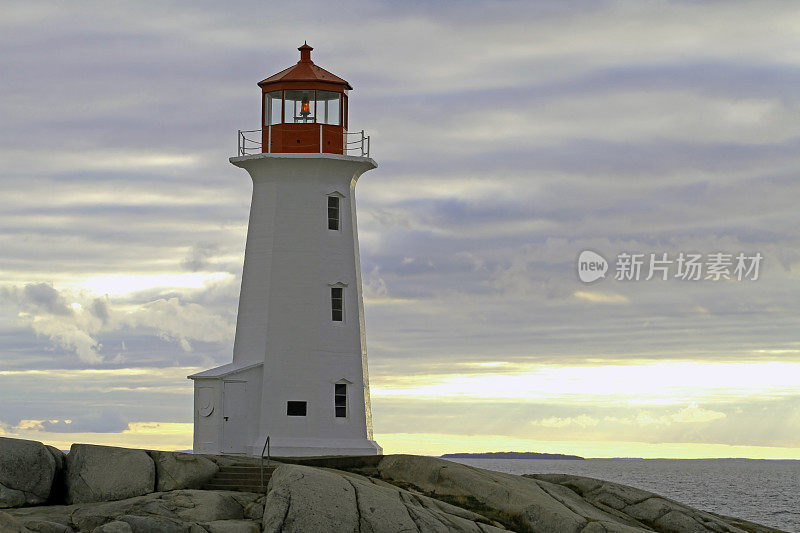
(305, 53)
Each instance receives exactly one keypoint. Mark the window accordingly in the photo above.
(296, 408)
(337, 304)
(333, 212)
(340, 400)
(328, 107)
(272, 108)
(298, 106)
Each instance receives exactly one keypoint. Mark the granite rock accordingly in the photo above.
(302, 498)
(181, 470)
(27, 471)
(116, 526)
(106, 473)
(651, 510)
(396, 493)
(232, 526)
(518, 502)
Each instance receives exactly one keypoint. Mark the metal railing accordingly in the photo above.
(266, 447)
(249, 145)
(360, 144)
(250, 142)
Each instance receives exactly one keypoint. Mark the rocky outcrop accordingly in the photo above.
(176, 471)
(302, 498)
(519, 503)
(27, 471)
(103, 473)
(552, 502)
(652, 510)
(192, 511)
(232, 526)
(10, 524)
(378, 495)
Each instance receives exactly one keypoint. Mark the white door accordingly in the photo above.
(234, 416)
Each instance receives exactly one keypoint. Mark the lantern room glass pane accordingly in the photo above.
(329, 107)
(298, 106)
(272, 108)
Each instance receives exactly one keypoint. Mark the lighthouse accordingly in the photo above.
(299, 372)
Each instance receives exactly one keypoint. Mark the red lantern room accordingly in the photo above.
(304, 109)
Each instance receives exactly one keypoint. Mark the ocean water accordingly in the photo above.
(767, 492)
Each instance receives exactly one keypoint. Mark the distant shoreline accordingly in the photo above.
(511, 455)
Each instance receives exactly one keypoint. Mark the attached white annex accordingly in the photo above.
(299, 370)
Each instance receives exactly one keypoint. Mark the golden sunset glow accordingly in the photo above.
(662, 383)
(147, 435)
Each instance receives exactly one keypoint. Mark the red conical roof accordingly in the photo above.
(305, 71)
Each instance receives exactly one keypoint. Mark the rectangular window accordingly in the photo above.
(329, 107)
(296, 408)
(272, 108)
(340, 400)
(337, 304)
(299, 106)
(333, 212)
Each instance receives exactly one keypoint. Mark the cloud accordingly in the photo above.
(181, 322)
(37, 297)
(100, 308)
(81, 326)
(70, 336)
(199, 255)
(599, 297)
(374, 285)
(501, 157)
(693, 413)
(580, 421)
(746, 422)
(103, 422)
(47, 313)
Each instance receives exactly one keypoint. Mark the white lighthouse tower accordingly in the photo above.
(299, 370)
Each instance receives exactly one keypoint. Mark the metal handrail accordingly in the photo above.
(361, 143)
(253, 144)
(266, 447)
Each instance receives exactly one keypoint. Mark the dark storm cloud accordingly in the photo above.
(44, 295)
(100, 309)
(37, 296)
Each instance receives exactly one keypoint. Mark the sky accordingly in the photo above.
(510, 137)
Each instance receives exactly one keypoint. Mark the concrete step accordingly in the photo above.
(253, 475)
(240, 472)
(244, 484)
(228, 473)
(249, 467)
(243, 478)
(242, 488)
